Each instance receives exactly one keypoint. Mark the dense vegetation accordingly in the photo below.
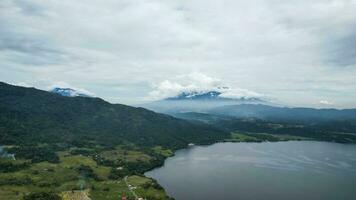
(29, 116)
(42, 196)
(12, 166)
(342, 131)
(316, 132)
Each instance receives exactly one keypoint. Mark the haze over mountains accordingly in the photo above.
(212, 102)
(266, 112)
(215, 103)
(53, 116)
(198, 101)
(254, 115)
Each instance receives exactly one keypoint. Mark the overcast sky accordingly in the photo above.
(295, 52)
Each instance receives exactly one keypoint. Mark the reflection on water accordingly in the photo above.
(282, 170)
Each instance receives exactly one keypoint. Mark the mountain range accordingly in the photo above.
(201, 104)
(285, 114)
(257, 116)
(29, 115)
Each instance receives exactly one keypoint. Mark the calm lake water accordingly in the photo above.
(261, 171)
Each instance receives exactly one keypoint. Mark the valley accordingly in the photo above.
(177, 100)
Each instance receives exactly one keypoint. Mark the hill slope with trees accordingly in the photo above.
(30, 115)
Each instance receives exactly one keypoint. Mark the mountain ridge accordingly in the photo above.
(29, 114)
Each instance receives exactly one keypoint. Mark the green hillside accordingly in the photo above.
(31, 116)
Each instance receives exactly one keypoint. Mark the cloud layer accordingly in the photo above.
(127, 50)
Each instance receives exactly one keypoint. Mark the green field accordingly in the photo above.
(82, 177)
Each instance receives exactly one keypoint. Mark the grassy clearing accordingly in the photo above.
(138, 180)
(162, 151)
(71, 162)
(239, 137)
(127, 155)
(74, 161)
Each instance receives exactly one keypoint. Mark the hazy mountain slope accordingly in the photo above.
(343, 131)
(31, 115)
(266, 112)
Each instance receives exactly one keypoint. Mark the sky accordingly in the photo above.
(294, 53)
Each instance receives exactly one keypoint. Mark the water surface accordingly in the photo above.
(260, 171)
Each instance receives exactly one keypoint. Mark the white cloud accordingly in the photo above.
(285, 49)
(325, 102)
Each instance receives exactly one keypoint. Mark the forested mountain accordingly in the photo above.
(29, 115)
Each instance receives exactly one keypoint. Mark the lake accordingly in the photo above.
(258, 171)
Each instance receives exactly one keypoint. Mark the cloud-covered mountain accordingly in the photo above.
(68, 92)
(197, 92)
(196, 95)
(210, 95)
(198, 101)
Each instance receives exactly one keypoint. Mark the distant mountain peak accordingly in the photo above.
(68, 92)
(209, 95)
(196, 95)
